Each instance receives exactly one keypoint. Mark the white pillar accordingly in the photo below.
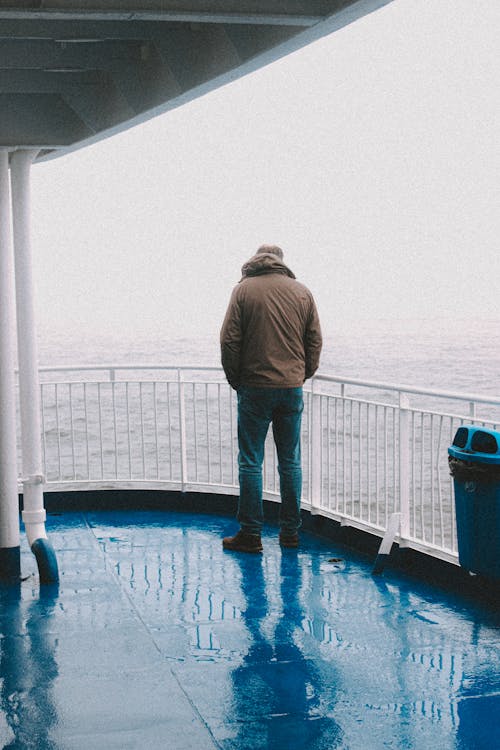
(29, 389)
(9, 503)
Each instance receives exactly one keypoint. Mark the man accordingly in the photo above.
(270, 344)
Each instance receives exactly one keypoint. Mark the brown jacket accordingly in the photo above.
(271, 336)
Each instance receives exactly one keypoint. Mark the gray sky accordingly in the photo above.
(372, 157)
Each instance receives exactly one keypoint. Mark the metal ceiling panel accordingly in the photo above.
(75, 71)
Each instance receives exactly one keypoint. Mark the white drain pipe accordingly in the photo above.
(10, 567)
(393, 529)
(29, 390)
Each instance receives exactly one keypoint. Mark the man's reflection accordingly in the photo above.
(27, 669)
(279, 695)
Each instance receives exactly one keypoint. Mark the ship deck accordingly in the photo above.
(157, 638)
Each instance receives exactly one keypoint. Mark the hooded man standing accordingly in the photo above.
(270, 344)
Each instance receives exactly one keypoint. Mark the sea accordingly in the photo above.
(457, 355)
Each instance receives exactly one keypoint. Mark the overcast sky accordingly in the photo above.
(372, 157)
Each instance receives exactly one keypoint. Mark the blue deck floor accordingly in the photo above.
(156, 638)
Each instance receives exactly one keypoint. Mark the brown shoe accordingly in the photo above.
(243, 542)
(288, 539)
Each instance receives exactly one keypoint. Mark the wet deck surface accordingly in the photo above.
(156, 638)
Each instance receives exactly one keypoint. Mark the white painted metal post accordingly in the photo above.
(29, 388)
(404, 465)
(9, 504)
(315, 480)
(182, 428)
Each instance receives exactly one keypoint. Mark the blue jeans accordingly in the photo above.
(257, 408)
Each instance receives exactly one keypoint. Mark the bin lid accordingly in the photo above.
(476, 445)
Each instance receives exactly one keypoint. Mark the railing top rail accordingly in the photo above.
(340, 379)
(126, 368)
(405, 388)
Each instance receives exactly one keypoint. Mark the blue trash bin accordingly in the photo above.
(474, 460)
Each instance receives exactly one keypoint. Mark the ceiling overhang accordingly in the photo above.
(75, 71)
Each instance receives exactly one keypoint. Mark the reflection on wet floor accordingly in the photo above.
(157, 638)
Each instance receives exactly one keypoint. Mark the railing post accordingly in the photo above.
(404, 464)
(182, 428)
(315, 450)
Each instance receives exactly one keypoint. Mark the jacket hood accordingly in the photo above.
(263, 263)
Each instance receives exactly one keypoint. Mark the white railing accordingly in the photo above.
(369, 449)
